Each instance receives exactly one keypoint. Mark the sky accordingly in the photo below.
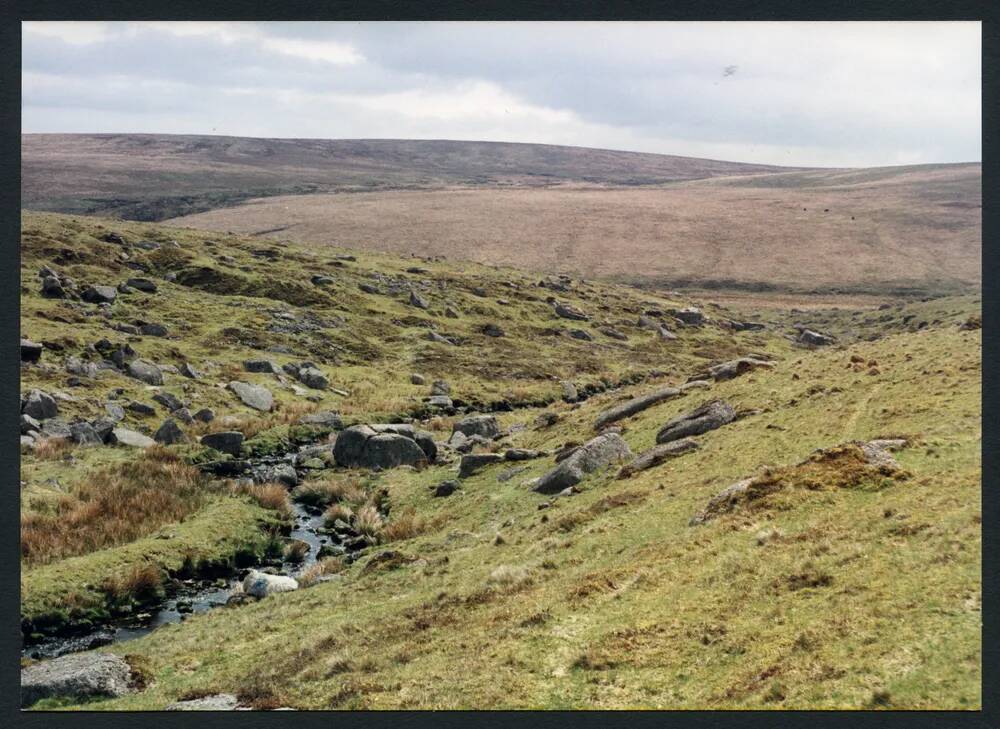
(806, 94)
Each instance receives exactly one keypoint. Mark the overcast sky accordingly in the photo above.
(831, 94)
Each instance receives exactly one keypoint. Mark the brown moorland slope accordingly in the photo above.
(157, 176)
(890, 230)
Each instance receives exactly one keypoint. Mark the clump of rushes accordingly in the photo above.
(272, 496)
(324, 493)
(326, 566)
(113, 506)
(368, 522)
(140, 583)
(405, 526)
(52, 449)
(296, 552)
(338, 511)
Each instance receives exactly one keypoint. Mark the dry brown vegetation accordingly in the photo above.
(857, 231)
(118, 505)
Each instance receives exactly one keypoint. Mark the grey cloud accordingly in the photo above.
(879, 93)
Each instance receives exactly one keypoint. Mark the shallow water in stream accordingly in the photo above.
(200, 595)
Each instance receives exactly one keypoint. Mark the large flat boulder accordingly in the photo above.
(130, 438)
(383, 446)
(707, 417)
(227, 441)
(39, 405)
(483, 425)
(593, 455)
(635, 405)
(253, 396)
(657, 455)
(77, 675)
(145, 371)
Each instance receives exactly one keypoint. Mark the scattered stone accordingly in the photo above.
(261, 365)
(260, 584)
(446, 488)
(808, 336)
(169, 433)
(184, 415)
(169, 401)
(416, 379)
(52, 288)
(473, 462)
(569, 312)
(189, 371)
(29, 424)
(690, 316)
(56, 428)
(657, 455)
(521, 454)
(975, 321)
(451, 313)
(30, 351)
(707, 417)
(227, 441)
(99, 294)
(78, 675)
(635, 405)
(216, 702)
(695, 385)
(253, 396)
(145, 371)
(85, 434)
(368, 288)
(435, 337)
(282, 473)
(418, 301)
(440, 401)
(322, 280)
(580, 334)
(313, 378)
(130, 438)
(595, 454)
(569, 391)
(142, 284)
(737, 367)
(115, 411)
(666, 334)
(205, 415)
(614, 334)
(508, 474)
(323, 418)
(76, 366)
(140, 408)
(39, 405)
(440, 387)
(492, 330)
(482, 425)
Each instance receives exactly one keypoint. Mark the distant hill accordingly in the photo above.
(152, 177)
(650, 219)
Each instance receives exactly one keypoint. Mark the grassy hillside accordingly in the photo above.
(154, 177)
(845, 591)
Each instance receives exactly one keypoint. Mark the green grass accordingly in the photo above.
(55, 592)
(858, 598)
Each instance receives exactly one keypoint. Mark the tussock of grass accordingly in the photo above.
(272, 496)
(114, 506)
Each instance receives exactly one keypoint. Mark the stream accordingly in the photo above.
(186, 597)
